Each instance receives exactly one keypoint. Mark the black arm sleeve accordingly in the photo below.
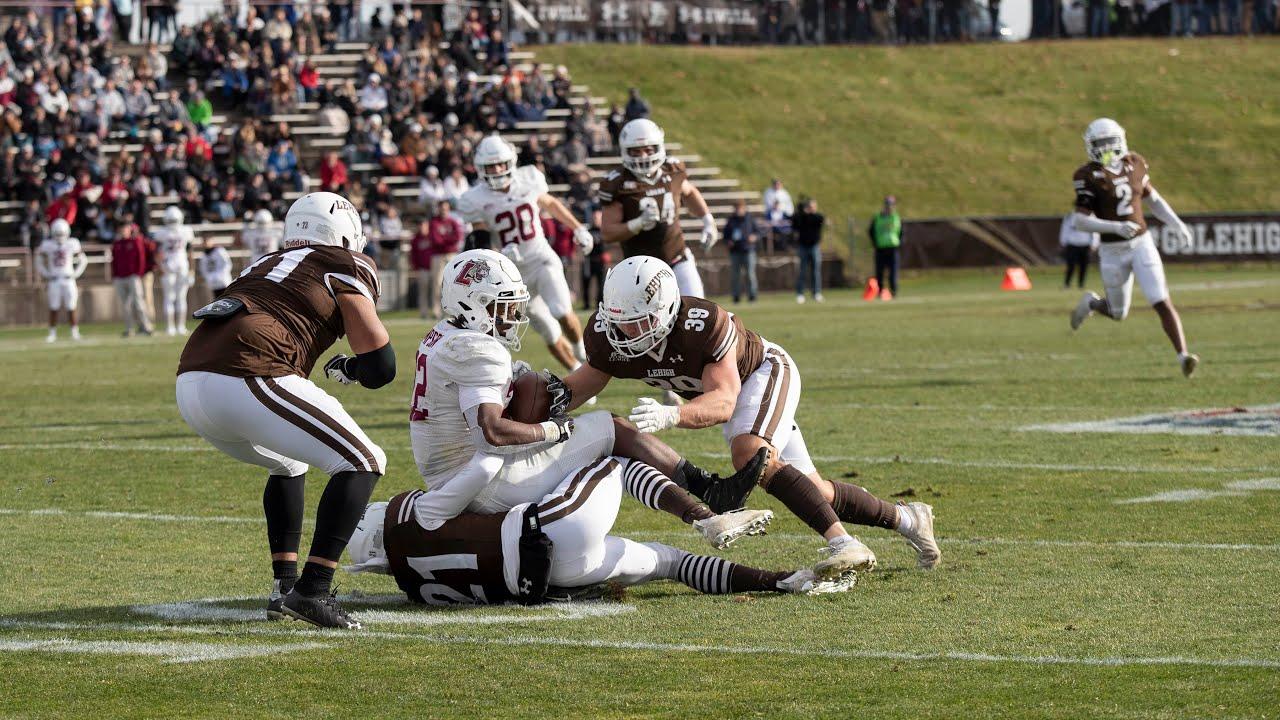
(479, 240)
(374, 368)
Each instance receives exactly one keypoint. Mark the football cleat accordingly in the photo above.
(275, 601)
(724, 530)
(52, 336)
(805, 582)
(928, 556)
(725, 494)
(1083, 310)
(75, 333)
(1189, 364)
(852, 556)
(323, 611)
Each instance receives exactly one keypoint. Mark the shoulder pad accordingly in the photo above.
(470, 358)
(469, 204)
(531, 179)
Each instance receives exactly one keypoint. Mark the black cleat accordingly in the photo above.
(275, 601)
(726, 494)
(323, 611)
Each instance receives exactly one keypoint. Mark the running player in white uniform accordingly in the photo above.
(474, 459)
(60, 261)
(506, 207)
(215, 267)
(174, 241)
(260, 236)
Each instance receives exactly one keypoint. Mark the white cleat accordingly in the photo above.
(52, 336)
(928, 555)
(182, 330)
(799, 299)
(171, 331)
(852, 556)
(818, 298)
(75, 334)
(1189, 364)
(1083, 310)
(725, 529)
(805, 582)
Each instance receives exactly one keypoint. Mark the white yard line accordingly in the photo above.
(1013, 465)
(708, 649)
(677, 535)
(172, 652)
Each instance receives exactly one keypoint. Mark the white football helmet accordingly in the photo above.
(641, 300)
(1104, 141)
(173, 216)
(262, 218)
(642, 133)
(59, 230)
(495, 160)
(484, 292)
(323, 218)
(368, 553)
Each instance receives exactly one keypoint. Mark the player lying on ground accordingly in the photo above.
(242, 385)
(551, 548)
(503, 211)
(644, 330)
(472, 458)
(1110, 191)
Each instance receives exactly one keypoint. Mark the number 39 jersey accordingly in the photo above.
(512, 216)
(1114, 195)
(664, 240)
(290, 314)
(703, 334)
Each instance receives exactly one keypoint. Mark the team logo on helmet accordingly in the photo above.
(655, 282)
(473, 272)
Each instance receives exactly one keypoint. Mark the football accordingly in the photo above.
(530, 401)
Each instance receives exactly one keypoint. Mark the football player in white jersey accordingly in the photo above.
(173, 240)
(215, 267)
(505, 205)
(60, 261)
(260, 236)
(472, 458)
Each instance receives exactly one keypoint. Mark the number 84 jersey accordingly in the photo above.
(703, 334)
(511, 216)
(1114, 195)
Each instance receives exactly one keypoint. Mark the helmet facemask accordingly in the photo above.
(1108, 150)
(498, 175)
(644, 160)
(504, 317)
(635, 334)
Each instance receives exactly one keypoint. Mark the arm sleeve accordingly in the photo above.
(451, 499)
(482, 443)
(1160, 208)
(1089, 223)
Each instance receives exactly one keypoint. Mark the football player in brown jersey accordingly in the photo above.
(641, 203)
(242, 385)
(1111, 190)
(644, 330)
(557, 547)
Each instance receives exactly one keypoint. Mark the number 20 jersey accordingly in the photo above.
(512, 216)
(1114, 195)
(703, 334)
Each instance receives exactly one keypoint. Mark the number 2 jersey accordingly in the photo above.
(512, 216)
(703, 334)
(1114, 195)
(664, 240)
(290, 313)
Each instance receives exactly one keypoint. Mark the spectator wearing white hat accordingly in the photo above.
(373, 96)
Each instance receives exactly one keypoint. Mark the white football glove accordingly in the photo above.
(336, 369)
(1186, 237)
(582, 236)
(710, 234)
(519, 368)
(648, 216)
(1130, 229)
(651, 416)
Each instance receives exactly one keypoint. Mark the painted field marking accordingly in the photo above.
(215, 610)
(678, 535)
(172, 652)
(588, 644)
(1256, 421)
(1237, 488)
(1013, 465)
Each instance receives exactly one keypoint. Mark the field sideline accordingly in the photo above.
(1075, 582)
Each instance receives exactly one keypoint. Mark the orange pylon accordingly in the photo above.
(1015, 278)
(873, 289)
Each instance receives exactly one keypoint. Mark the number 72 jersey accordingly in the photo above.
(1114, 195)
(512, 216)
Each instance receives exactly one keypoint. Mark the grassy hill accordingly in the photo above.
(977, 129)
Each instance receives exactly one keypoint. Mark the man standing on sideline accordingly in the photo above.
(807, 227)
(775, 193)
(128, 262)
(885, 232)
(420, 264)
(447, 234)
(743, 236)
(215, 267)
(1076, 246)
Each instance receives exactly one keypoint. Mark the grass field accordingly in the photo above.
(1056, 598)
(961, 129)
